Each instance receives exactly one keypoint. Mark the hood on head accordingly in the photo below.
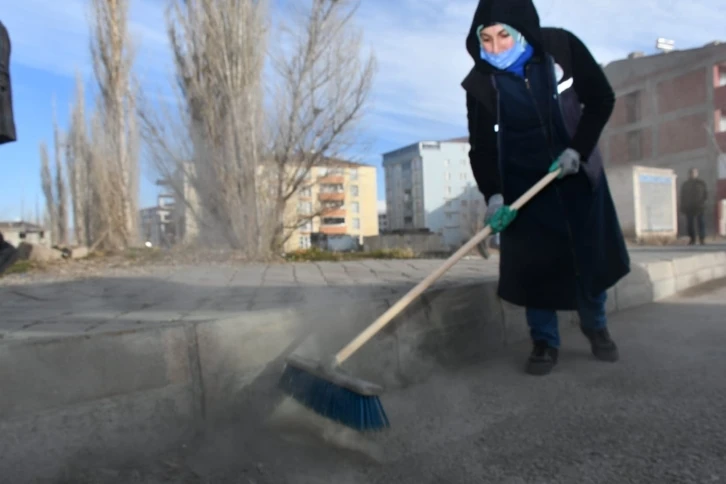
(520, 14)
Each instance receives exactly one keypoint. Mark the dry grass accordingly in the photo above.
(20, 267)
(317, 255)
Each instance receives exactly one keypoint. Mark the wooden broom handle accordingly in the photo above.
(407, 299)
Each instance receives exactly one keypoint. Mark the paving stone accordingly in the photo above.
(199, 293)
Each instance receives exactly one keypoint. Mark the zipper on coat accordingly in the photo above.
(548, 139)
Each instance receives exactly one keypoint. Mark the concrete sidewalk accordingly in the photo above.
(44, 307)
(126, 366)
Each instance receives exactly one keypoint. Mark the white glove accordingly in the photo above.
(495, 203)
(569, 161)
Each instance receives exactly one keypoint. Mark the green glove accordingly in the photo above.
(502, 218)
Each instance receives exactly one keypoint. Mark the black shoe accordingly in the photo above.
(542, 359)
(603, 347)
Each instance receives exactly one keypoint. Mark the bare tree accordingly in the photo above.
(115, 145)
(219, 66)
(47, 184)
(61, 192)
(323, 89)
(245, 159)
(77, 166)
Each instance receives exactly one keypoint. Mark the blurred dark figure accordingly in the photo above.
(7, 118)
(8, 254)
(693, 204)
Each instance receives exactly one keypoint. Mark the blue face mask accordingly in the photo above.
(505, 59)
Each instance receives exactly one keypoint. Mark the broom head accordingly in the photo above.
(333, 394)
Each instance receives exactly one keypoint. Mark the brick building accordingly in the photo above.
(671, 113)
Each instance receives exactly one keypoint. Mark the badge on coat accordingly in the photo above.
(562, 85)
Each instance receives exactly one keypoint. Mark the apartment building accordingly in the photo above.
(340, 197)
(382, 217)
(430, 185)
(158, 225)
(671, 113)
(18, 232)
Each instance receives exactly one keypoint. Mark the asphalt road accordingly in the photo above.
(657, 416)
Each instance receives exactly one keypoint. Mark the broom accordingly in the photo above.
(330, 392)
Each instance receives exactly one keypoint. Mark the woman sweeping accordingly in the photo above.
(538, 101)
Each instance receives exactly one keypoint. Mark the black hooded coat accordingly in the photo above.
(568, 238)
(7, 117)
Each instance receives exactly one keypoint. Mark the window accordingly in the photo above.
(331, 188)
(355, 207)
(634, 146)
(448, 190)
(354, 190)
(446, 162)
(632, 107)
(354, 173)
(339, 221)
(304, 208)
(448, 175)
(305, 192)
(304, 242)
(722, 123)
(722, 76)
(306, 226)
(356, 223)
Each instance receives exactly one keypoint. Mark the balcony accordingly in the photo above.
(333, 230)
(331, 196)
(333, 225)
(331, 179)
(333, 212)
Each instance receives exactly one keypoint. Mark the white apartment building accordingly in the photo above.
(429, 184)
(382, 217)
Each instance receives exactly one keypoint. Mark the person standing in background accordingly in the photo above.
(694, 194)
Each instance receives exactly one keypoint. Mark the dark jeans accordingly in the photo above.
(544, 326)
(694, 219)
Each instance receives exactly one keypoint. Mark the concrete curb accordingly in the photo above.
(104, 396)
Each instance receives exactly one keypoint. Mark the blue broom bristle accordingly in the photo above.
(360, 412)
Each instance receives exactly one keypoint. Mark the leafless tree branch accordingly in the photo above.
(242, 159)
(112, 55)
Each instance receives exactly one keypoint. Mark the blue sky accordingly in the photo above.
(419, 45)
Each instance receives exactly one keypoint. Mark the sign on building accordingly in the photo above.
(646, 201)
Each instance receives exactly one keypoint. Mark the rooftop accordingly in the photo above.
(340, 162)
(460, 139)
(20, 225)
(715, 47)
